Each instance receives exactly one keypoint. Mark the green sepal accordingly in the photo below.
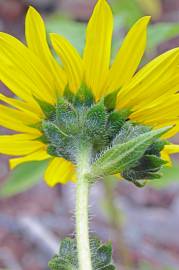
(53, 133)
(47, 108)
(125, 155)
(66, 116)
(110, 100)
(68, 94)
(60, 151)
(156, 148)
(43, 139)
(116, 120)
(37, 125)
(84, 97)
(67, 259)
(152, 162)
(95, 123)
(133, 175)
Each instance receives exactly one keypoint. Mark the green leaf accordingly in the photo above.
(161, 32)
(68, 251)
(125, 155)
(130, 131)
(22, 178)
(101, 256)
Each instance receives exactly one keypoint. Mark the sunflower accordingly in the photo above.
(45, 89)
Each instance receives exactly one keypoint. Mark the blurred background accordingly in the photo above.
(143, 224)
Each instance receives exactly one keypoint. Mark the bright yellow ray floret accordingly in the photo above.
(31, 72)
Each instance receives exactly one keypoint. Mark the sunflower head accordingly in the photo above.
(123, 115)
(77, 120)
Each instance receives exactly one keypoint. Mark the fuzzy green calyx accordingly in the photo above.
(67, 259)
(78, 119)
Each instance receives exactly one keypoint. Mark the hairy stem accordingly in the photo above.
(82, 229)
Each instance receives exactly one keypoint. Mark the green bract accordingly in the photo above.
(118, 144)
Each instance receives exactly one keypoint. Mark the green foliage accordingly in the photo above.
(72, 30)
(131, 10)
(126, 153)
(22, 178)
(67, 259)
(161, 32)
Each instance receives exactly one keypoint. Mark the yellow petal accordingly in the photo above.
(71, 60)
(37, 42)
(164, 109)
(167, 151)
(28, 107)
(20, 144)
(129, 55)
(16, 120)
(25, 117)
(172, 132)
(36, 156)
(149, 83)
(59, 171)
(23, 73)
(98, 47)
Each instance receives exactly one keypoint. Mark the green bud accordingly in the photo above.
(125, 155)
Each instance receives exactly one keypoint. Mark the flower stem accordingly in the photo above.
(82, 230)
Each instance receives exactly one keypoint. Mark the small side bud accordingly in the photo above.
(125, 155)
